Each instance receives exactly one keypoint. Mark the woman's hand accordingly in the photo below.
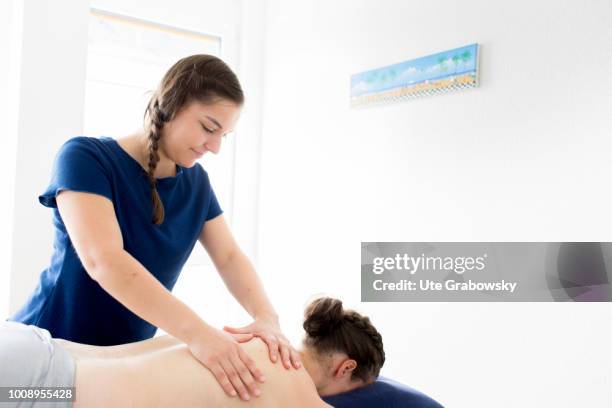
(269, 331)
(231, 366)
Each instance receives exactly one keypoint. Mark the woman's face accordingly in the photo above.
(198, 129)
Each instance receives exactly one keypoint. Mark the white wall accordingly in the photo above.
(248, 135)
(525, 157)
(10, 37)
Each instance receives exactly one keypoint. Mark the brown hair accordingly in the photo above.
(330, 328)
(201, 78)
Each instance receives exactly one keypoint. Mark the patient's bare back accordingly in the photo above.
(162, 373)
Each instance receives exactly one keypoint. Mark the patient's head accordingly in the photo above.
(341, 349)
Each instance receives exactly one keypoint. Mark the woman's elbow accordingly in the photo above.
(103, 265)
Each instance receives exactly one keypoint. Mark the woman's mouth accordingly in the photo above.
(198, 154)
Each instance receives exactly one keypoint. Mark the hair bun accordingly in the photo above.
(323, 316)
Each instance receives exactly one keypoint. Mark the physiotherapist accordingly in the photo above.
(127, 214)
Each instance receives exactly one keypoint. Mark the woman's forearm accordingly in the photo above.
(129, 282)
(243, 282)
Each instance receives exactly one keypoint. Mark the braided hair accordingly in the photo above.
(329, 328)
(202, 78)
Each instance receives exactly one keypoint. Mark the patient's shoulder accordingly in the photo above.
(258, 350)
(294, 386)
(255, 346)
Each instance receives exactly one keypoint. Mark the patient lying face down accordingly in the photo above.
(341, 351)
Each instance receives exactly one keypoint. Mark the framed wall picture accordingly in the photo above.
(437, 73)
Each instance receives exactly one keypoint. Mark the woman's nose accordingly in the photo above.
(213, 146)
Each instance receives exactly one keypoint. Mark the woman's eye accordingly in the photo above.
(207, 129)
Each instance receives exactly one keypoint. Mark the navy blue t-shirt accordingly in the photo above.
(69, 303)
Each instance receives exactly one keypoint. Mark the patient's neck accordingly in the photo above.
(337, 387)
(321, 372)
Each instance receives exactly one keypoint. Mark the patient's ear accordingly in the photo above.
(345, 369)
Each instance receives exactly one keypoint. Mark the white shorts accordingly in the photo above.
(29, 357)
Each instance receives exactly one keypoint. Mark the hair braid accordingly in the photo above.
(363, 324)
(157, 120)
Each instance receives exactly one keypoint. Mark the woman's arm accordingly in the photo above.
(235, 268)
(243, 282)
(95, 234)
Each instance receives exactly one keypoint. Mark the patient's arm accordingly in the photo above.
(161, 372)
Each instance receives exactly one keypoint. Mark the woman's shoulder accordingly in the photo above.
(85, 141)
(198, 172)
(103, 151)
(84, 146)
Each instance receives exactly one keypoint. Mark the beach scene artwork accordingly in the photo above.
(437, 73)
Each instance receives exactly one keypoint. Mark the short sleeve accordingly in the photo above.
(78, 166)
(214, 209)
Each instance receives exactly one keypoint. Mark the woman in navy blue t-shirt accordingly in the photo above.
(127, 214)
